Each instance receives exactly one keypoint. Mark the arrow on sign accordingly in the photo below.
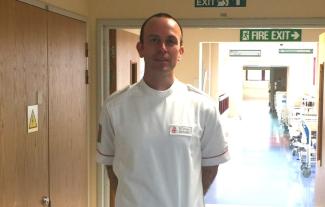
(295, 35)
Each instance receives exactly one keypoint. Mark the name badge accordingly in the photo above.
(180, 130)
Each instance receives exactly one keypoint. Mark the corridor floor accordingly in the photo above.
(262, 171)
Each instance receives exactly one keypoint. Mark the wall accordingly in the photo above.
(188, 69)
(185, 9)
(124, 56)
(229, 69)
(209, 65)
(256, 90)
(80, 7)
(205, 52)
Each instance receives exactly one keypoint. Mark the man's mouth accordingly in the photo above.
(162, 59)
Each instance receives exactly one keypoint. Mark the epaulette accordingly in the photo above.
(118, 92)
(194, 89)
(199, 92)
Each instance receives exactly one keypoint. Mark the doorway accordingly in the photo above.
(262, 170)
(189, 74)
(268, 154)
(278, 83)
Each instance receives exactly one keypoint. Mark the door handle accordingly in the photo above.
(45, 201)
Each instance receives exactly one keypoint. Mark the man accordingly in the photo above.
(160, 139)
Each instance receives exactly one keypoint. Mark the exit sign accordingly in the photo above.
(220, 3)
(280, 35)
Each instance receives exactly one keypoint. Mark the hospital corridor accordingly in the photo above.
(61, 60)
(262, 171)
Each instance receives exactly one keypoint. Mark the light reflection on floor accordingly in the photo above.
(262, 171)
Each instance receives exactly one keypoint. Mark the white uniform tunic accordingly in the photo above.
(157, 142)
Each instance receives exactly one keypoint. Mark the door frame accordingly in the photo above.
(104, 25)
(320, 114)
(102, 62)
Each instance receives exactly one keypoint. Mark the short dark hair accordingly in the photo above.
(160, 15)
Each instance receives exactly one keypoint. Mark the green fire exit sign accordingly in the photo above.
(281, 35)
(220, 3)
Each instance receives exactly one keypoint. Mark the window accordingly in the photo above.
(256, 75)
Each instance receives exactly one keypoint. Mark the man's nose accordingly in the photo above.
(162, 46)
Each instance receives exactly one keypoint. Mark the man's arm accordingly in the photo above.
(208, 175)
(112, 185)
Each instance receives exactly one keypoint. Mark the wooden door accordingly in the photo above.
(42, 63)
(68, 145)
(23, 82)
(123, 59)
(278, 82)
(133, 72)
(320, 114)
(279, 77)
(112, 61)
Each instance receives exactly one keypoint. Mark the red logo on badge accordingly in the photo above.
(173, 130)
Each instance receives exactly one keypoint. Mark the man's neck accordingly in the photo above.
(159, 82)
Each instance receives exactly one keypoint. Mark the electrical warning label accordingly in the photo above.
(32, 115)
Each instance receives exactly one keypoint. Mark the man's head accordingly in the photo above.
(165, 15)
(160, 43)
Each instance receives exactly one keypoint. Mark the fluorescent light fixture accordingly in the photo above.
(245, 53)
(295, 51)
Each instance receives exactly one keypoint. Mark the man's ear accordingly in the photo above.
(181, 52)
(140, 49)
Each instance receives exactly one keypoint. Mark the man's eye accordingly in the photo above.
(154, 40)
(171, 41)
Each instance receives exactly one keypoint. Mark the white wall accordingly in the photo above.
(256, 90)
(300, 69)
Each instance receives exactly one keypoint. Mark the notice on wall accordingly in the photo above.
(220, 3)
(269, 35)
(32, 118)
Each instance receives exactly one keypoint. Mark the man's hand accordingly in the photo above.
(112, 185)
(208, 175)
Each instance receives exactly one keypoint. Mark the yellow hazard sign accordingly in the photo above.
(32, 115)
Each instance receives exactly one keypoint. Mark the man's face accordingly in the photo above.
(161, 47)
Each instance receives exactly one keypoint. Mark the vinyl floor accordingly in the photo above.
(262, 171)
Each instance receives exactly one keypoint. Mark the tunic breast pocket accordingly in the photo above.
(181, 130)
(186, 140)
(190, 133)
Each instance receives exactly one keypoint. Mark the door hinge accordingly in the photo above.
(86, 77)
(86, 49)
